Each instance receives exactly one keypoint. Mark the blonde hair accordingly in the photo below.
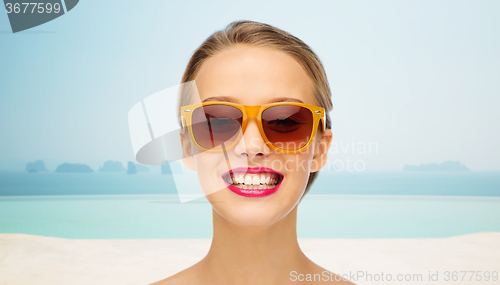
(262, 35)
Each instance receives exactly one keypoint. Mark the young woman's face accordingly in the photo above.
(254, 76)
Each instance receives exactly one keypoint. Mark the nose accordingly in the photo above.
(252, 144)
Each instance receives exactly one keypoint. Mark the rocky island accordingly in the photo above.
(74, 168)
(131, 169)
(37, 166)
(112, 166)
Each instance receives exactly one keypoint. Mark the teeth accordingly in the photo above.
(248, 179)
(254, 180)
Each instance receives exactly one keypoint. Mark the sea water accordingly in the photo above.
(17, 183)
(362, 205)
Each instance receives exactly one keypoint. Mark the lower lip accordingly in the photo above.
(253, 193)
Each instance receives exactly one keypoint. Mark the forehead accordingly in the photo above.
(253, 76)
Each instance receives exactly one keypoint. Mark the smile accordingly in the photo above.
(253, 181)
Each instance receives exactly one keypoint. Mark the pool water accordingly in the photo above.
(320, 216)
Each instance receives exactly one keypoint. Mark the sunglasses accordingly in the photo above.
(285, 126)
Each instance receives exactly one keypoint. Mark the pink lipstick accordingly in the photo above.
(253, 182)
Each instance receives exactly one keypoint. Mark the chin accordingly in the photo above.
(252, 212)
(251, 219)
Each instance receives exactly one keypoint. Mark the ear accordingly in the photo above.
(187, 150)
(321, 150)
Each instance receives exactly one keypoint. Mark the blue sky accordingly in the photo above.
(418, 78)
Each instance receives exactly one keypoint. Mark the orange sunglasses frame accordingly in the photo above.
(255, 112)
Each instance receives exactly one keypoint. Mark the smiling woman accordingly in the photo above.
(256, 136)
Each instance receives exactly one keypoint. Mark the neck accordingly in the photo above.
(253, 255)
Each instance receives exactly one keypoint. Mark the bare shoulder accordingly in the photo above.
(187, 276)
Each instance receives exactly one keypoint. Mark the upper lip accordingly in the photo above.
(258, 169)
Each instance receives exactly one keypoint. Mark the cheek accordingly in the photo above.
(208, 170)
(207, 161)
(297, 169)
(298, 163)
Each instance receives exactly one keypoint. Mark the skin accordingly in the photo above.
(255, 239)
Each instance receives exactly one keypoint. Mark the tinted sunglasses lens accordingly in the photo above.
(215, 125)
(287, 127)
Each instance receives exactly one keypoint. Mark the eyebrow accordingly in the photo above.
(220, 98)
(286, 99)
(233, 100)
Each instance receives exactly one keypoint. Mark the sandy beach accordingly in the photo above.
(28, 259)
